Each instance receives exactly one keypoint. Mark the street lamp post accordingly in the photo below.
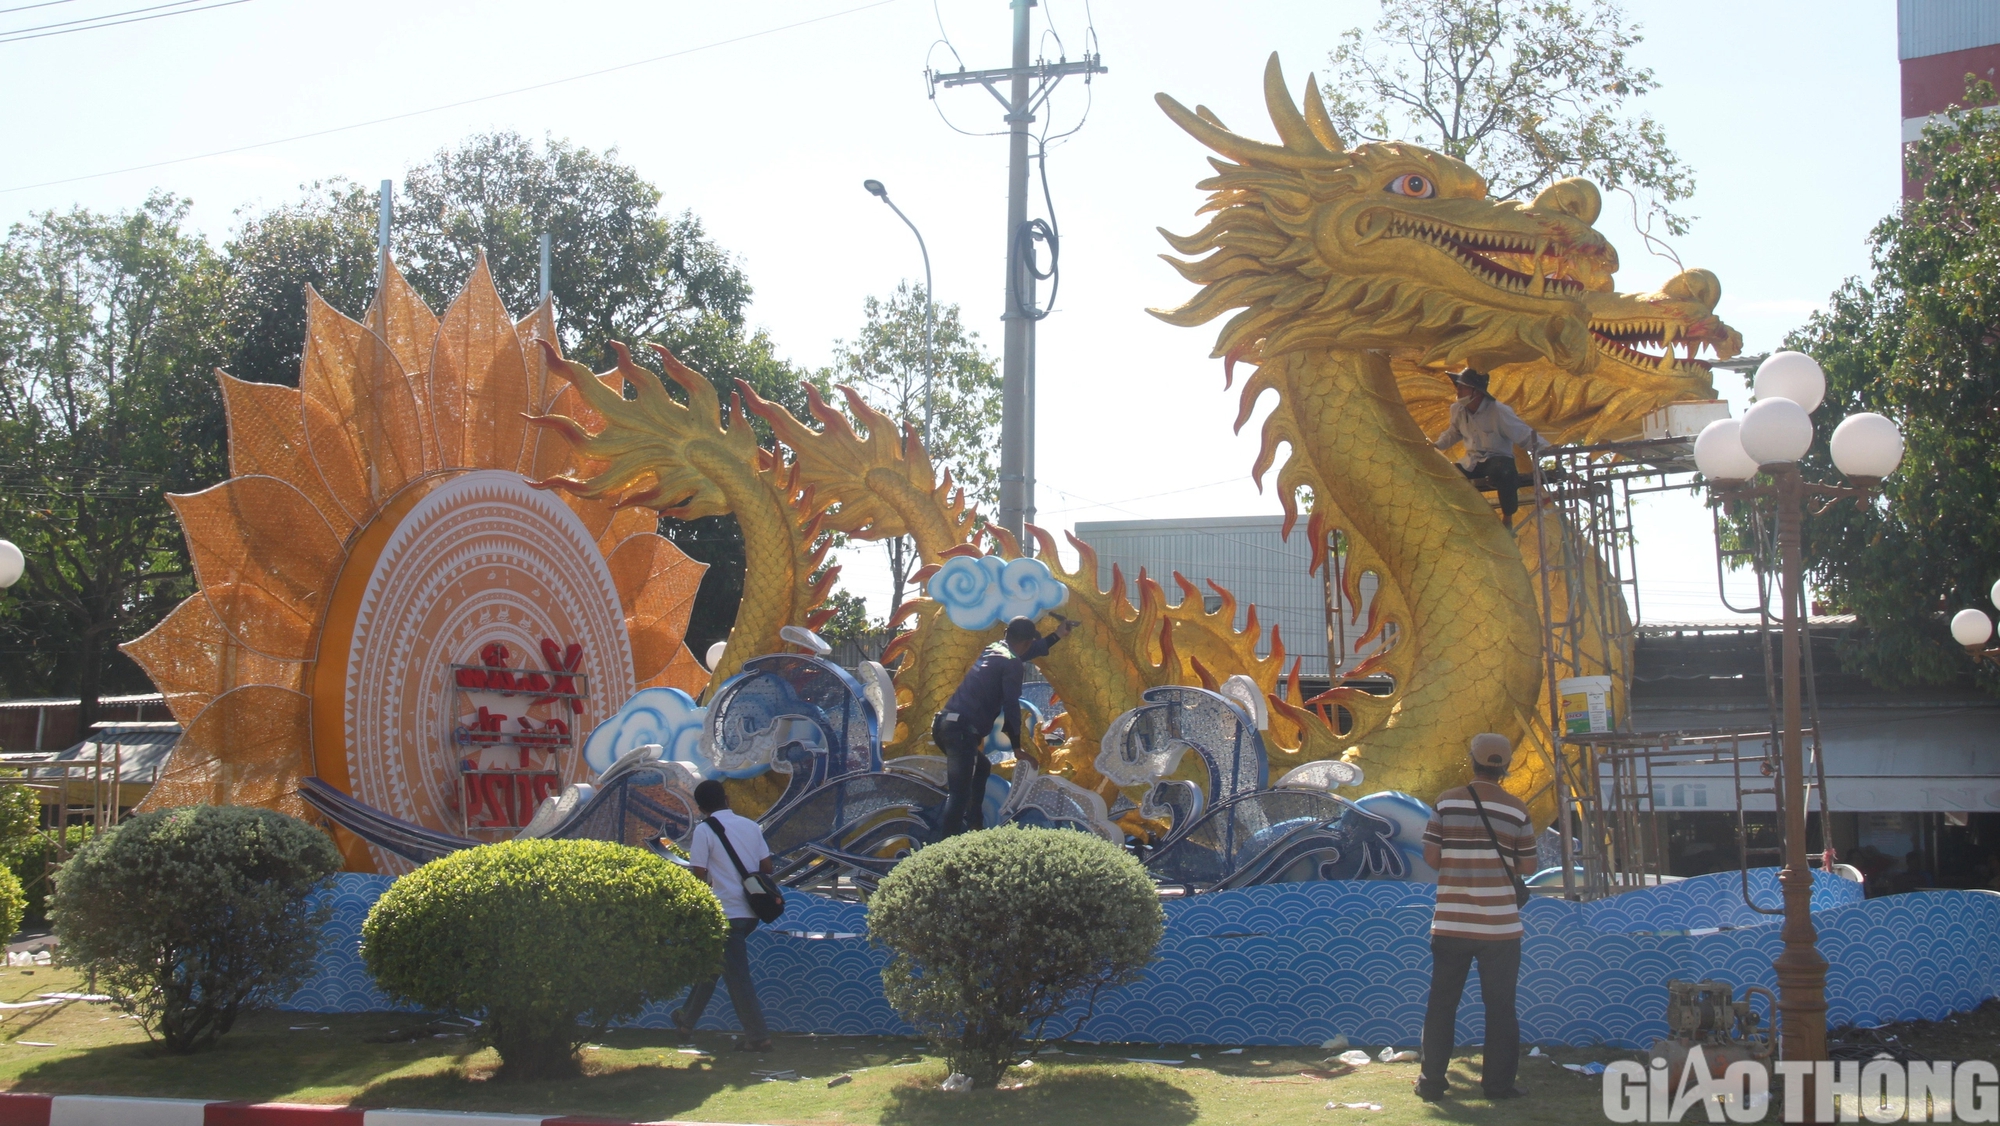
(876, 189)
(1770, 438)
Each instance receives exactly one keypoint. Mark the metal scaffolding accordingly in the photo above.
(1586, 577)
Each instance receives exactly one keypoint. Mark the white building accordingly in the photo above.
(1248, 556)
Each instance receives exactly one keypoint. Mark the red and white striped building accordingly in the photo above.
(1939, 42)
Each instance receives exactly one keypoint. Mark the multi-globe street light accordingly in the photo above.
(876, 189)
(1973, 629)
(11, 564)
(1770, 439)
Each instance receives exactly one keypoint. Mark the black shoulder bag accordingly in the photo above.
(766, 901)
(1521, 894)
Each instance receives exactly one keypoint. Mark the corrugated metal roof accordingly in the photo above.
(1933, 27)
(71, 702)
(139, 749)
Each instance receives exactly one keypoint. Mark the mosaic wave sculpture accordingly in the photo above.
(844, 811)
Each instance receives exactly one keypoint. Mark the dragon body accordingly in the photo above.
(1353, 278)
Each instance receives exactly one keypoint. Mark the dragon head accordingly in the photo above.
(1623, 326)
(1636, 371)
(1383, 246)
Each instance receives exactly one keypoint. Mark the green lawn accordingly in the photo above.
(646, 1075)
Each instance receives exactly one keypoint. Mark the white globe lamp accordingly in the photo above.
(1994, 594)
(1971, 628)
(1718, 452)
(1776, 431)
(11, 563)
(1867, 446)
(1791, 375)
(714, 655)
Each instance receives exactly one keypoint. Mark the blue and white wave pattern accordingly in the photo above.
(1300, 963)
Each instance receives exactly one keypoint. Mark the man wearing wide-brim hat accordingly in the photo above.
(1490, 430)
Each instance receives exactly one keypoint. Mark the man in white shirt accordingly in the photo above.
(1490, 430)
(710, 861)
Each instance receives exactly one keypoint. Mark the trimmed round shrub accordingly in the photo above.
(13, 903)
(993, 933)
(190, 917)
(549, 942)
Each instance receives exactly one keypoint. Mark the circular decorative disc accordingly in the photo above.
(481, 561)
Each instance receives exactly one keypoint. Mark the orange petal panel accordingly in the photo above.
(409, 327)
(250, 747)
(190, 658)
(265, 558)
(332, 454)
(656, 584)
(479, 380)
(683, 672)
(267, 437)
(375, 420)
(626, 523)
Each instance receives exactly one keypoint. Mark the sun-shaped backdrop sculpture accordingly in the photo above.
(385, 603)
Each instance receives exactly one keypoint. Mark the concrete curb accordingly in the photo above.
(103, 1110)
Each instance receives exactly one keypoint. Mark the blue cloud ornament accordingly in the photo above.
(979, 592)
(667, 716)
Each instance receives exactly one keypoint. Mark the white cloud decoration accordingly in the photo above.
(982, 591)
(667, 716)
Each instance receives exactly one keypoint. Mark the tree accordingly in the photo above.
(327, 241)
(191, 917)
(110, 328)
(887, 363)
(849, 621)
(1920, 342)
(620, 270)
(1525, 91)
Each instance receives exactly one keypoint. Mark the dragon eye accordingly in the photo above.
(1414, 186)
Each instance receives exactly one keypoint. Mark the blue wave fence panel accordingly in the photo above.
(1300, 963)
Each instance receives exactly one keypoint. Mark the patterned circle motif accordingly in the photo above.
(481, 559)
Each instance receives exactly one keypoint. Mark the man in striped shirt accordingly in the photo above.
(1477, 918)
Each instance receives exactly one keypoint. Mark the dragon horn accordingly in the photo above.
(1318, 120)
(1298, 135)
(1303, 151)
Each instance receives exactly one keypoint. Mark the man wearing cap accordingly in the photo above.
(1490, 430)
(1477, 918)
(991, 688)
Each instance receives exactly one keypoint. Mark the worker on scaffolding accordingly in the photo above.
(1490, 430)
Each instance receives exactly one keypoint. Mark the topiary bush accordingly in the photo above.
(993, 933)
(13, 903)
(190, 917)
(549, 941)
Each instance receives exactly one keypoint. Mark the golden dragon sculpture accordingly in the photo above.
(1357, 276)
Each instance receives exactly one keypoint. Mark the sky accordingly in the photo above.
(763, 120)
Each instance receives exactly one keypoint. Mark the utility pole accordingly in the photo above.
(542, 288)
(1029, 87)
(384, 212)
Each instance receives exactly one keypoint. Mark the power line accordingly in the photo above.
(11, 37)
(43, 4)
(449, 105)
(94, 19)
